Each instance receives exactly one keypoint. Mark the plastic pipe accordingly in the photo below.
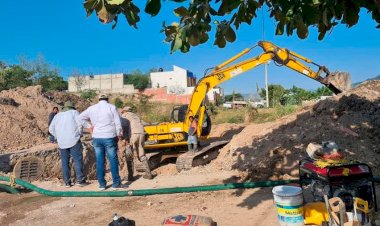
(9, 189)
(145, 192)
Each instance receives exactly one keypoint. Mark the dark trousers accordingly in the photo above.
(76, 153)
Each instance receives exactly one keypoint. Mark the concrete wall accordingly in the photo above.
(108, 83)
(176, 81)
(162, 95)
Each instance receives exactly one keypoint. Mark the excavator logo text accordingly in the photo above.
(220, 76)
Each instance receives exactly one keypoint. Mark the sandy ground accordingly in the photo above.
(230, 207)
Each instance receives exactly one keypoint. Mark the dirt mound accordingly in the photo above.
(24, 123)
(24, 116)
(272, 150)
(61, 97)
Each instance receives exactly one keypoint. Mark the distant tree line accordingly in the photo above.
(278, 95)
(28, 73)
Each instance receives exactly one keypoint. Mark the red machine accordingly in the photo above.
(345, 181)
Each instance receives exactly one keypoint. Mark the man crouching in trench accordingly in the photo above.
(134, 136)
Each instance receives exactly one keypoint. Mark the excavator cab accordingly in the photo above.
(179, 115)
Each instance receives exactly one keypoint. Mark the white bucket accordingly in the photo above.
(289, 203)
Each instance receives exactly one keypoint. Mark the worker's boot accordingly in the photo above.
(148, 174)
(130, 170)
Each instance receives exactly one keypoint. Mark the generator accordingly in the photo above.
(347, 181)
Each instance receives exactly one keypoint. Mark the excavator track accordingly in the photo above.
(190, 159)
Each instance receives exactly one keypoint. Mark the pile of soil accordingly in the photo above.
(24, 116)
(273, 150)
(60, 98)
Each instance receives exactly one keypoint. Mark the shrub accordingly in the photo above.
(250, 114)
(88, 94)
(235, 119)
(118, 103)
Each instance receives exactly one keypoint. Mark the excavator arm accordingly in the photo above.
(280, 56)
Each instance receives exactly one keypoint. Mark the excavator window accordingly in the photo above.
(179, 113)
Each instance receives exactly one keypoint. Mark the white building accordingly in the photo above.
(108, 83)
(182, 82)
(179, 81)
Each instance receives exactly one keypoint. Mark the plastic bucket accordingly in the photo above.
(289, 203)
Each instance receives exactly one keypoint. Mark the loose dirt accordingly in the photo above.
(230, 207)
(272, 150)
(24, 116)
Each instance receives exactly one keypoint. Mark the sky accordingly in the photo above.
(61, 32)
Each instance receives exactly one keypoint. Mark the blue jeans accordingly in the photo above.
(109, 146)
(76, 153)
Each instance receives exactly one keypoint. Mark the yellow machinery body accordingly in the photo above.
(173, 134)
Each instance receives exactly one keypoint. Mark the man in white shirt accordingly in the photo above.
(67, 129)
(104, 121)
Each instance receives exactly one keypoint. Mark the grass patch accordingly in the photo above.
(248, 115)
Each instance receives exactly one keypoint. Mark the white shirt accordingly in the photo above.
(66, 128)
(104, 118)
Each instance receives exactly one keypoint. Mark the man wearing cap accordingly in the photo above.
(104, 121)
(134, 135)
(67, 129)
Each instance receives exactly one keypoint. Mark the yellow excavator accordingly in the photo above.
(169, 139)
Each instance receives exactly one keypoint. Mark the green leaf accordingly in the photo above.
(181, 11)
(280, 29)
(204, 38)
(152, 7)
(115, 2)
(185, 48)
(176, 45)
(104, 16)
(302, 30)
(230, 35)
(220, 41)
(194, 39)
(90, 5)
(325, 19)
(321, 35)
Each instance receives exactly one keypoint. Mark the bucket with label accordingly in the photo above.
(289, 203)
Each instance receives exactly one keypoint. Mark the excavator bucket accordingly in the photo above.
(338, 81)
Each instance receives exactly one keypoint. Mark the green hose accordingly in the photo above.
(144, 192)
(9, 189)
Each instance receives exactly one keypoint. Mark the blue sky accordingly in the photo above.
(60, 31)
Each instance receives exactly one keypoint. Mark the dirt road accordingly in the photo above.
(231, 207)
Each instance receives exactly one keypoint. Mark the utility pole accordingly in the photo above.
(265, 64)
(266, 84)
